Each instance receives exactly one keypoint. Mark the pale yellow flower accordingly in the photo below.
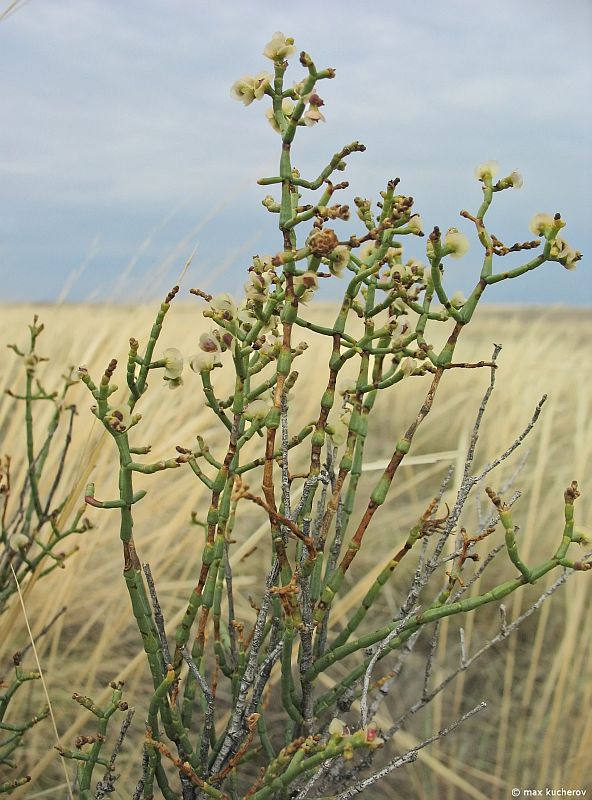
(249, 88)
(407, 365)
(279, 48)
(516, 179)
(415, 224)
(337, 728)
(257, 409)
(339, 428)
(310, 282)
(367, 251)
(416, 267)
(489, 169)
(287, 108)
(256, 288)
(224, 303)
(565, 254)
(18, 540)
(456, 243)
(339, 259)
(541, 224)
(173, 363)
(458, 300)
(204, 361)
(312, 116)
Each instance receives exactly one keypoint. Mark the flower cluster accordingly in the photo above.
(249, 88)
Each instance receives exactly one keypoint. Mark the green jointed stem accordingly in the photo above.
(212, 401)
(149, 352)
(287, 678)
(431, 614)
(374, 590)
(299, 764)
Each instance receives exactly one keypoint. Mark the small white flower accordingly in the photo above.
(489, 169)
(256, 287)
(173, 363)
(541, 224)
(279, 48)
(456, 243)
(204, 361)
(18, 540)
(515, 179)
(247, 88)
(257, 409)
(225, 303)
(458, 300)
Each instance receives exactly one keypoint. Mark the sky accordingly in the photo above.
(122, 153)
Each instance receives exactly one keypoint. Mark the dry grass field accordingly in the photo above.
(537, 730)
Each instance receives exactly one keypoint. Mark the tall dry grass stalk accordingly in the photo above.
(538, 685)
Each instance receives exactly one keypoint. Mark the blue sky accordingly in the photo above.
(121, 150)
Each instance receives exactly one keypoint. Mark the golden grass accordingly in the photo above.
(536, 731)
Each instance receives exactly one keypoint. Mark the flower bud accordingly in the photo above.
(119, 418)
(208, 343)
